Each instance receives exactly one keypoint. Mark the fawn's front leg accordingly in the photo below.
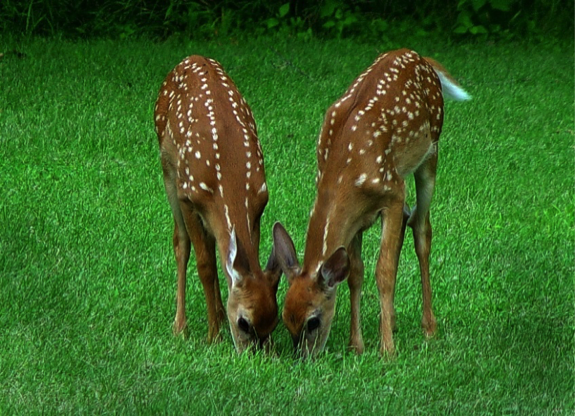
(386, 269)
(355, 282)
(181, 242)
(421, 225)
(205, 251)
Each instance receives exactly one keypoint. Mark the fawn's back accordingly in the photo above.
(385, 127)
(215, 180)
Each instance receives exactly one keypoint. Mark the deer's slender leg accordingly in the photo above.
(181, 245)
(205, 251)
(355, 282)
(422, 233)
(215, 181)
(386, 272)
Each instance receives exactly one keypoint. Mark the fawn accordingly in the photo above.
(384, 128)
(214, 177)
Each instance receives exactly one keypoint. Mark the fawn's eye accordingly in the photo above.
(243, 325)
(312, 324)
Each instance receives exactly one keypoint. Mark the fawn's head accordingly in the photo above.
(252, 305)
(310, 300)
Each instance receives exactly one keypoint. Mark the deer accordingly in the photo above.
(384, 128)
(214, 178)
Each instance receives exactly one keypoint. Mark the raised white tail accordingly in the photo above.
(450, 88)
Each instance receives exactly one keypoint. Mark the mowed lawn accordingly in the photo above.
(87, 273)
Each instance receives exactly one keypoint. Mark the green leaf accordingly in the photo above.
(503, 5)
(462, 4)
(272, 22)
(327, 8)
(494, 28)
(478, 4)
(379, 24)
(329, 24)
(460, 29)
(464, 19)
(284, 10)
(479, 29)
(169, 11)
(350, 19)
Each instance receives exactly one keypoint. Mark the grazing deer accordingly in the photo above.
(214, 178)
(384, 128)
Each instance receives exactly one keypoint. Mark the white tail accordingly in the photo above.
(385, 127)
(215, 181)
(450, 88)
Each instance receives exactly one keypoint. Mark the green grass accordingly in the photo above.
(87, 275)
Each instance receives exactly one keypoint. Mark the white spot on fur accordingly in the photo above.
(360, 180)
(227, 214)
(204, 187)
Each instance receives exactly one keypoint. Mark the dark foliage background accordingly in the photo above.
(201, 19)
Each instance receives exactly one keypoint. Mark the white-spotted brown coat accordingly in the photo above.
(215, 181)
(385, 127)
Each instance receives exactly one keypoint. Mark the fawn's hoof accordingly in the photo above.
(214, 337)
(387, 352)
(429, 326)
(356, 347)
(181, 329)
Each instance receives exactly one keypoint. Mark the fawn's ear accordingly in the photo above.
(283, 256)
(273, 270)
(335, 269)
(237, 264)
